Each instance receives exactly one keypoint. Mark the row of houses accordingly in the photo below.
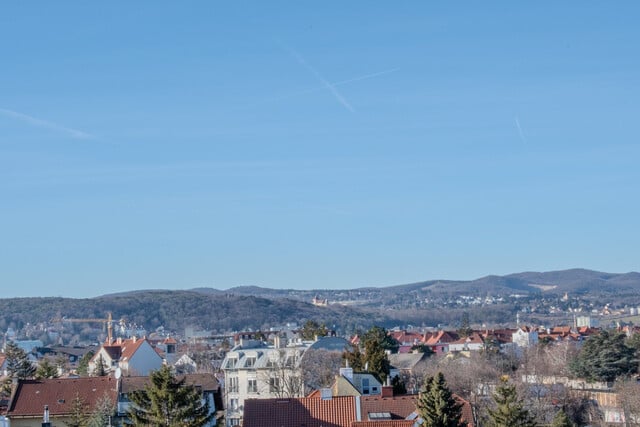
(442, 341)
(33, 402)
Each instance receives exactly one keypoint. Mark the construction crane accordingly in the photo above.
(108, 321)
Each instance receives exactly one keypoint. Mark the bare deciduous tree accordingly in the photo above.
(282, 375)
(319, 368)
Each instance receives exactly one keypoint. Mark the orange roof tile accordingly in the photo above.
(129, 347)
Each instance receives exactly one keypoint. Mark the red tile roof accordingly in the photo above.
(129, 347)
(474, 338)
(385, 423)
(336, 412)
(400, 407)
(294, 412)
(406, 338)
(121, 349)
(442, 337)
(31, 395)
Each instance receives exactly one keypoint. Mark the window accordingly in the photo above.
(274, 385)
(291, 361)
(272, 362)
(231, 363)
(235, 421)
(252, 386)
(233, 403)
(365, 386)
(233, 385)
(251, 362)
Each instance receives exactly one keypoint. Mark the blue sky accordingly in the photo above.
(314, 145)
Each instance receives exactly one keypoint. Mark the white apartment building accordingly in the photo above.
(254, 370)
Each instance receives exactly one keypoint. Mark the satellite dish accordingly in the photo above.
(118, 373)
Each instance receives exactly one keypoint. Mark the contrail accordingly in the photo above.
(341, 99)
(520, 132)
(318, 88)
(366, 76)
(33, 121)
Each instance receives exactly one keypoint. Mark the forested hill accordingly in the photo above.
(175, 310)
(552, 282)
(426, 303)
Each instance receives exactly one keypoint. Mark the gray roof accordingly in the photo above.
(406, 361)
(330, 344)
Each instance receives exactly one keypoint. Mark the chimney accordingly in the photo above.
(45, 417)
(326, 394)
(387, 391)
(347, 373)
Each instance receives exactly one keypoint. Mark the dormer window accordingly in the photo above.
(251, 362)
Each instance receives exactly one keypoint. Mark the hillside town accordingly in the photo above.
(293, 375)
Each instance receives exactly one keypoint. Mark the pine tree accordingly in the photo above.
(437, 406)
(561, 420)
(79, 413)
(83, 364)
(604, 357)
(46, 370)
(376, 360)
(167, 402)
(355, 358)
(509, 410)
(101, 369)
(465, 326)
(103, 410)
(18, 364)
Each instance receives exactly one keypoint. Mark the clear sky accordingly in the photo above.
(314, 144)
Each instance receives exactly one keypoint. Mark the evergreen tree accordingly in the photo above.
(376, 341)
(46, 370)
(79, 413)
(18, 364)
(167, 402)
(465, 326)
(312, 330)
(376, 360)
(382, 337)
(437, 406)
(398, 386)
(355, 358)
(604, 357)
(83, 364)
(561, 420)
(101, 368)
(509, 410)
(103, 410)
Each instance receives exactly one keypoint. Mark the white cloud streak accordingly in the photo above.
(318, 88)
(332, 88)
(520, 132)
(36, 122)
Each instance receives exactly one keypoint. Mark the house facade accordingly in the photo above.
(254, 370)
(134, 356)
